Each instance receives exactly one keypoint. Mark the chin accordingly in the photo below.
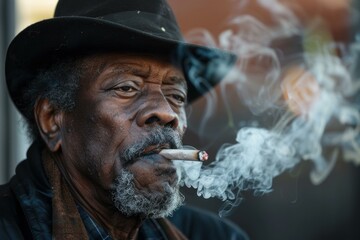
(132, 202)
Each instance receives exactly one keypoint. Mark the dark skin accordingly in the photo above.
(121, 98)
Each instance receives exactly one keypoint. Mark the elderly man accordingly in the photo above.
(103, 87)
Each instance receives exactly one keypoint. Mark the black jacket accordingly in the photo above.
(25, 208)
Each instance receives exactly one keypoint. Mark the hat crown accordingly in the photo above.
(154, 17)
(97, 8)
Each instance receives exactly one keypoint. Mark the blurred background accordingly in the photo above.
(295, 208)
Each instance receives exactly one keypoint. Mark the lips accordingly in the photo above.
(153, 168)
(163, 168)
(154, 149)
(150, 156)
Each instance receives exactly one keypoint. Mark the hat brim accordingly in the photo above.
(41, 42)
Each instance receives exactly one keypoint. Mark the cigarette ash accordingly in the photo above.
(304, 130)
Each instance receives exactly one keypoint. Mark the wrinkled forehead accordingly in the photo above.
(132, 63)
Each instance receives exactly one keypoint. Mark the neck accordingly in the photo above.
(99, 204)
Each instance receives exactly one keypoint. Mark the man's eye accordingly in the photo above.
(179, 98)
(126, 88)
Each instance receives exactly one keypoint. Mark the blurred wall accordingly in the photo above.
(7, 114)
(15, 16)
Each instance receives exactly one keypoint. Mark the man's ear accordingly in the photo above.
(49, 119)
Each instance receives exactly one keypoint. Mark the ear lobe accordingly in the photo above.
(48, 119)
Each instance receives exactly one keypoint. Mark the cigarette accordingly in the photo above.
(184, 154)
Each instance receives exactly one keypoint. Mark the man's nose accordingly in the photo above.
(157, 111)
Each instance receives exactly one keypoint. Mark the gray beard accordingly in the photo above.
(130, 201)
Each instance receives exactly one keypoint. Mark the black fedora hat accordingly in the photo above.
(90, 26)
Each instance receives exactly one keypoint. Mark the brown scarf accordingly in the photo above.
(67, 223)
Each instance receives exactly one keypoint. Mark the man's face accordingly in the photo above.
(128, 108)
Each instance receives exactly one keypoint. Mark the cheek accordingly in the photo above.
(92, 144)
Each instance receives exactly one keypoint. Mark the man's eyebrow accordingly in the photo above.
(130, 68)
(177, 80)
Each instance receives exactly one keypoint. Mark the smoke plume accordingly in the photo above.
(311, 87)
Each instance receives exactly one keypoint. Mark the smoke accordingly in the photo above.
(312, 87)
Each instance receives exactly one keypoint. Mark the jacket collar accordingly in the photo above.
(32, 190)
